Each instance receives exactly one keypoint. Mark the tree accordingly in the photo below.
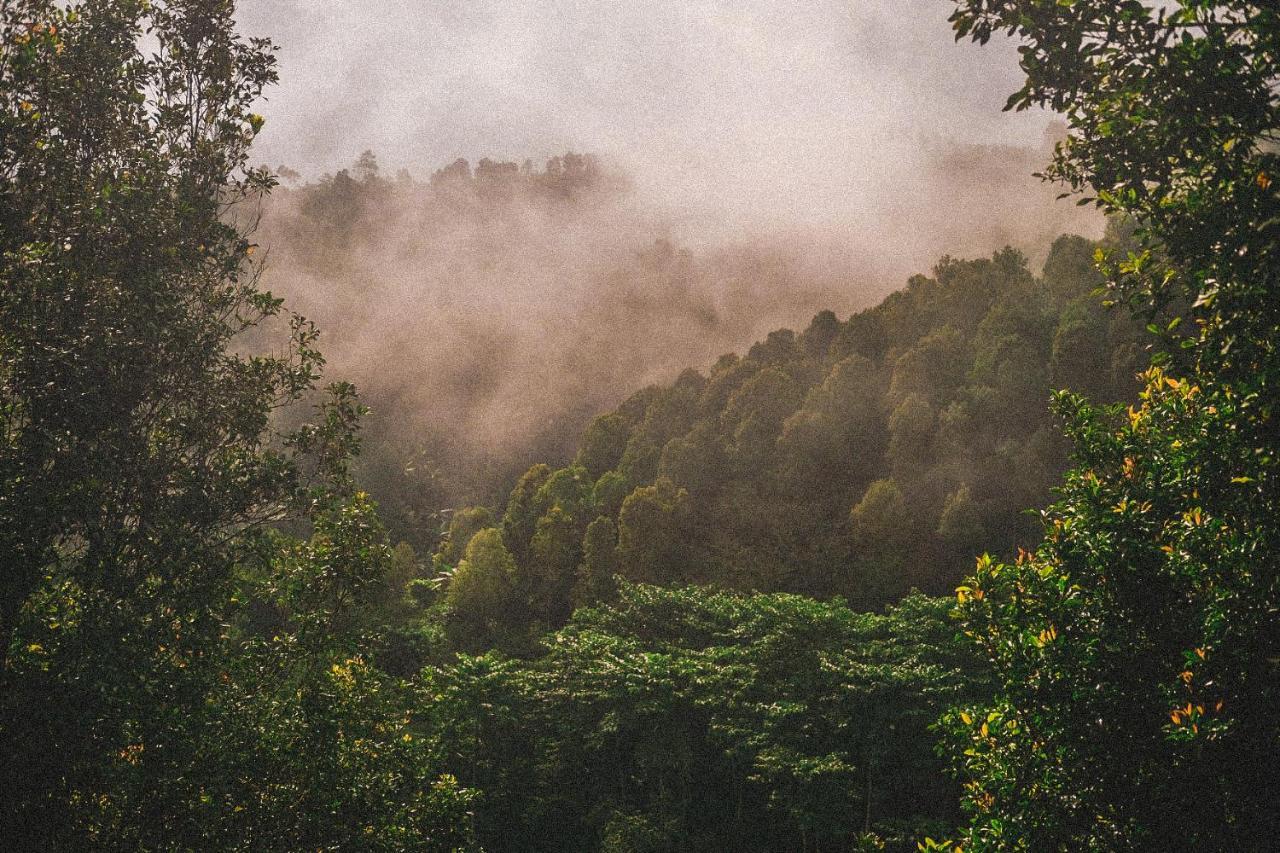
(838, 429)
(554, 556)
(603, 444)
(599, 563)
(132, 437)
(523, 511)
(911, 429)
(1173, 117)
(1070, 270)
(481, 598)
(651, 533)
(960, 525)
(299, 740)
(140, 463)
(1135, 650)
(882, 529)
(366, 167)
(463, 524)
(123, 285)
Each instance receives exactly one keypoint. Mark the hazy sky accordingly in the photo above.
(748, 110)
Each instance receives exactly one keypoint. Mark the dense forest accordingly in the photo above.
(989, 565)
(489, 312)
(860, 458)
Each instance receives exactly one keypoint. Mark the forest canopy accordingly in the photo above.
(989, 565)
(859, 458)
(489, 309)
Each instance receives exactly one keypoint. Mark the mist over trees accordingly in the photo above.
(859, 458)
(989, 564)
(490, 310)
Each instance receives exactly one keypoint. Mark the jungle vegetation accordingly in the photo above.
(992, 565)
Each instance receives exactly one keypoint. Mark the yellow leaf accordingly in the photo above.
(968, 720)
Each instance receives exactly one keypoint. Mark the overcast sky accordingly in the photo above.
(782, 111)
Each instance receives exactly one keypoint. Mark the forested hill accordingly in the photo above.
(858, 458)
(489, 310)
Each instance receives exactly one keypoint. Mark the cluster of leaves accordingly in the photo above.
(1136, 648)
(1136, 651)
(677, 719)
(860, 458)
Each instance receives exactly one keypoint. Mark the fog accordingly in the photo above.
(757, 162)
(733, 113)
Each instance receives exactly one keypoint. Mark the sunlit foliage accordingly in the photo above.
(1136, 651)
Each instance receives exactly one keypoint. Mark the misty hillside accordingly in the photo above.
(487, 313)
(858, 458)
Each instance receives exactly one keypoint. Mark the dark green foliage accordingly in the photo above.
(1136, 650)
(128, 428)
(652, 531)
(300, 741)
(596, 575)
(603, 444)
(141, 705)
(521, 517)
(463, 524)
(692, 719)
